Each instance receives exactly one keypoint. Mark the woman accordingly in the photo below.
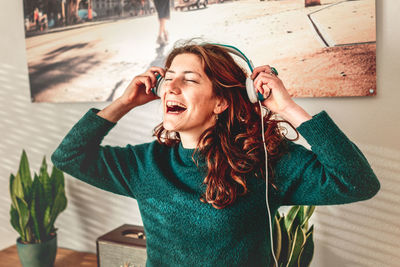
(200, 186)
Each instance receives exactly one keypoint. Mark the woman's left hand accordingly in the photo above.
(271, 87)
(277, 97)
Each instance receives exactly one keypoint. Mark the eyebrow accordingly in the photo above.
(186, 72)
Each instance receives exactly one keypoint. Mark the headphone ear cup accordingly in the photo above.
(251, 91)
(253, 95)
(157, 89)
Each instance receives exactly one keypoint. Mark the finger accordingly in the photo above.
(144, 81)
(153, 72)
(261, 79)
(257, 70)
(259, 86)
(148, 84)
(158, 70)
(152, 76)
(267, 91)
(268, 76)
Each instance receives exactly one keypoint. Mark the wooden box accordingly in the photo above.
(124, 246)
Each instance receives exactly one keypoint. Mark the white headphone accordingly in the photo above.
(253, 95)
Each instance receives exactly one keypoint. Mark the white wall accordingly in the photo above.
(360, 234)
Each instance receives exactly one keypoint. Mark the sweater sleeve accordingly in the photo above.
(81, 155)
(334, 172)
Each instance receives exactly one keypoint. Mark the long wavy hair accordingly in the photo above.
(233, 147)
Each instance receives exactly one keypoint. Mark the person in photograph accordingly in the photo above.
(201, 185)
(163, 13)
(36, 18)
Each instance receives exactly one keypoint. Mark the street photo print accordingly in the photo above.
(89, 50)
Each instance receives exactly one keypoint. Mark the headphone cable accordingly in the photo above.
(262, 108)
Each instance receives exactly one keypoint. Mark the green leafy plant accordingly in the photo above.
(293, 238)
(36, 204)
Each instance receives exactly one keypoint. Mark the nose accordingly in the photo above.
(172, 86)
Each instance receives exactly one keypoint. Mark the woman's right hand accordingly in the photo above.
(138, 91)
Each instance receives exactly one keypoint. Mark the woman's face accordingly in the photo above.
(188, 99)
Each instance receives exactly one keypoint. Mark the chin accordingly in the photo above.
(169, 126)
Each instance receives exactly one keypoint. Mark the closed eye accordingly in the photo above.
(193, 81)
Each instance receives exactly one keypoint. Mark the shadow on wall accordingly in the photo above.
(95, 212)
(325, 256)
(59, 67)
(365, 233)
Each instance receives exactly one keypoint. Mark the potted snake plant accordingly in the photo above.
(293, 237)
(35, 205)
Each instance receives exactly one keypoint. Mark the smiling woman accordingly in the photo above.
(205, 172)
(190, 103)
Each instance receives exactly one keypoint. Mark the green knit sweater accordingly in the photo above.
(183, 231)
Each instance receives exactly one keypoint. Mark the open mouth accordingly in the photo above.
(175, 107)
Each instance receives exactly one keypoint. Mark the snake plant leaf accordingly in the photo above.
(12, 195)
(25, 174)
(37, 208)
(307, 252)
(17, 187)
(298, 220)
(300, 215)
(298, 242)
(32, 201)
(285, 241)
(309, 210)
(277, 237)
(45, 181)
(57, 180)
(60, 203)
(23, 218)
(17, 192)
(297, 246)
(36, 229)
(15, 220)
(47, 219)
(291, 217)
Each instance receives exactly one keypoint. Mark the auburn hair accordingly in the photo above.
(233, 147)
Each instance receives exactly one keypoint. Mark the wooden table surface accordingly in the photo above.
(65, 258)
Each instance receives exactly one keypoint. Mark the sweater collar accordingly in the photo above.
(186, 155)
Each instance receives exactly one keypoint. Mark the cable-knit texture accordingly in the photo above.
(183, 231)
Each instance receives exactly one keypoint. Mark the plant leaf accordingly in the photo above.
(14, 219)
(286, 242)
(16, 194)
(25, 174)
(23, 218)
(37, 209)
(290, 218)
(35, 204)
(57, 180)
(17, 187)
(277, 237)
(307, 253)
(298, 241)
(47, 218)
(60, 203)
(309, 210)
(46, 183)
(12, 195)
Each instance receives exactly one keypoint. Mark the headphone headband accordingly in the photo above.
(251, 92)
(234, 50)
